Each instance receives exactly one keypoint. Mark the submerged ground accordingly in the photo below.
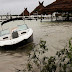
(56, 34)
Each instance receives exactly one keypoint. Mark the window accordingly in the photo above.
(22, 27)
(4, 32)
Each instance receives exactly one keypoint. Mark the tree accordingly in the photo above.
(61, 62)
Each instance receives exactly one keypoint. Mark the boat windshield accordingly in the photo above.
(22, 27)
(4, 32)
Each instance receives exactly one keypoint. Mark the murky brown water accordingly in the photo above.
(56, 34)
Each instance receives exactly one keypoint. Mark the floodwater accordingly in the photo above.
(56, 35)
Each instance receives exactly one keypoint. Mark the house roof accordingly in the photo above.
(37, 8)
(25, 13)
(58, 6)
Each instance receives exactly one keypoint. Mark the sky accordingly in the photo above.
(17, 6)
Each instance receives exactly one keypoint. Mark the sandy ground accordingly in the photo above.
(56, 34)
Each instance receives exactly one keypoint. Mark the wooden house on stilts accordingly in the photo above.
(25, 13)
(60, 8)
(37, 9)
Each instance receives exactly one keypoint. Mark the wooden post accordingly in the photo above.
(68, 16)
(56, 16)
(51, 17)
(23, 15)
(41, 17)
(1, 17)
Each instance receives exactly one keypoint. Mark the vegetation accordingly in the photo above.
(62, 62)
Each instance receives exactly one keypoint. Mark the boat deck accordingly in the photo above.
(10, 27)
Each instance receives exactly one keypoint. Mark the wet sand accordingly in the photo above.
(56, 34)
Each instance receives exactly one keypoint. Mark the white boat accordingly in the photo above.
(17, 36)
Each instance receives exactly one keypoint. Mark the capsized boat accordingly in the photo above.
(17, 36)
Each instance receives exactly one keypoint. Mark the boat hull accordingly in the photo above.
(19, 44)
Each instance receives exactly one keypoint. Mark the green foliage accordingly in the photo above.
(62, 62)
(29, 67)
(50, 66)
(35, 56)
(70, 43)
(42, 44)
